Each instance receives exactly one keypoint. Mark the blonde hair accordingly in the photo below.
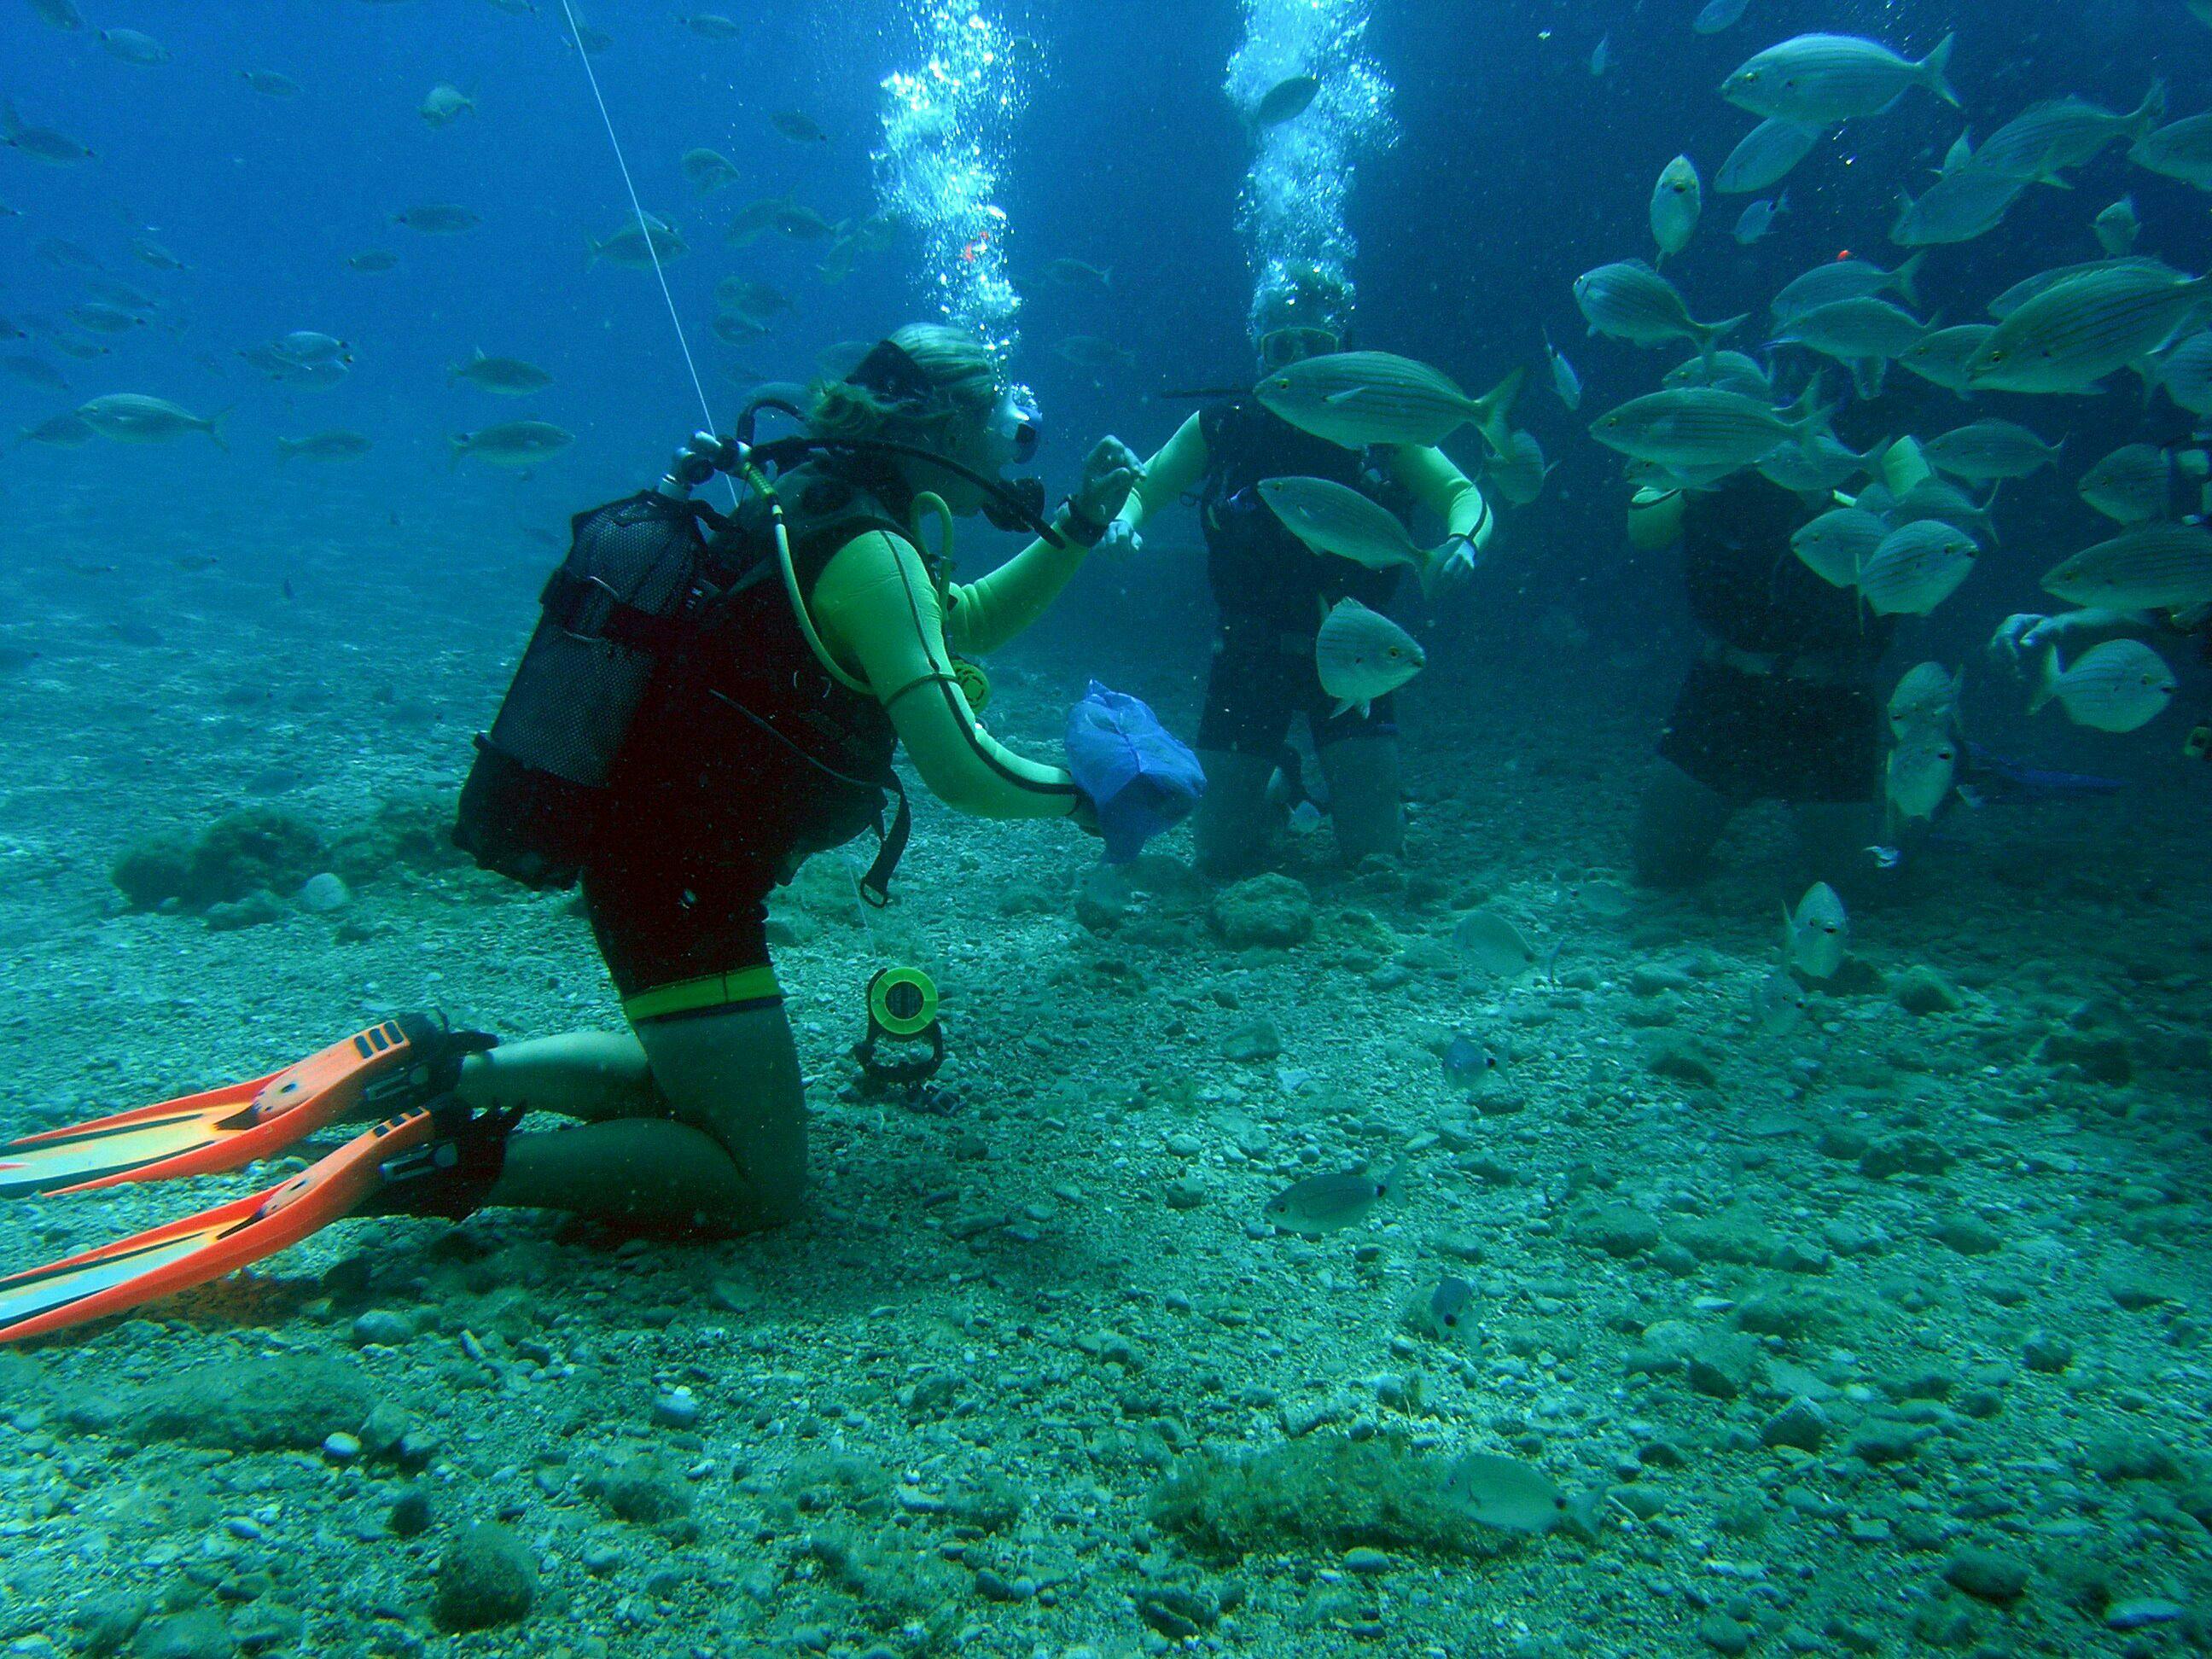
(963, 384)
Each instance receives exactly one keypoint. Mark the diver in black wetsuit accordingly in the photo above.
(1271, 589)
(1779, 704)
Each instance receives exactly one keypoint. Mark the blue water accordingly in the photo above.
(215, 628)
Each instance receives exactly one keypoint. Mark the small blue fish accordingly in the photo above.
(1448, 1303)
(1886, 858)
(1759, 218)
(1324, 1204)
(1470, 1066)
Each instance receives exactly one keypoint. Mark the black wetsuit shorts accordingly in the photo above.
(1755, 737)
(1262, 676)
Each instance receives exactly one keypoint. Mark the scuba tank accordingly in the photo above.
(610, 615)
(630, 595)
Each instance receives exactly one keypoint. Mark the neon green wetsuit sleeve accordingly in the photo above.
(876, 611)
(1442, 486)
(990, 611)
(1175, 471)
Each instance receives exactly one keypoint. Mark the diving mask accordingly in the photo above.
(1016, 430)
(1280, 347)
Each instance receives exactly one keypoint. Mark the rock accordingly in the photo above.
(2100, 1057)
(1910, 1153)
(198, 1634)
(1721, 1366)
(1681, 1059)
(2046, 1352)
(341, 1448)
(381, 1328)
(487, 1577)
(1620, 1231)
(1969, 1236)
(1923, 991)
(641, 1489)
(410, 1516)
(1795, 1256)
(257, 909)
(1185, 1192)
(289, 1404)
(1272, 909)
(105, 1620)
(323, 895)
(1986, 1575)
(1800, 1424)
(1723, 1634)
(678, 1408)
(2137, 1611)
(1251, 1044)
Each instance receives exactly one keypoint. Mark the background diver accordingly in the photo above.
(767, 737)
(1269, 589)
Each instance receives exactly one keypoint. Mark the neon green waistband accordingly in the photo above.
(708, 991)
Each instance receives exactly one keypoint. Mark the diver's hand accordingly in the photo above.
(1455, 562)
(1122, 537)
(2014, 633)
(1110, 471)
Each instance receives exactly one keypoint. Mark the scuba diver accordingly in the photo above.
(1270, 590)
(1781, 703)
(706, 702)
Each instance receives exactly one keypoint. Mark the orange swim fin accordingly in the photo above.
(390, 1065)
(435, 1160)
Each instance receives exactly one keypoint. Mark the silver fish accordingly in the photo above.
(1504, 1493)
(2043, 282)
(1758, 218)
(2132, 485)
(1565, 382)
(1676, 201)
(1834, 545)
(132, 417)
(709, 170)
(1960, 206)
(1821, 79)
(1334, 518)
(1919, 773)
(1988, 449)
(2070, 337)
(636, 247)
(1697, 427)
(133, 47)
(335, 446)
(1493, 945)
(2186, 372)
(1718, 15)
(1850, 329)
(1361, 655)
(1765, 156)
(1725, 371)
(438, 219)
(1941, 354)
(2153, 566)
(1846, 279)
(1450, 1304)
(2183, 151)
(1631, 302)
(1357, 398)
(1518, 474)
(514, 444)
(510, 377)
(46, 144)
(1915, 569)
(1324, 1204)
(1817, 936)
(2116, 686)
(2045, 139)
(1926, 700)
(1777, 1003)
